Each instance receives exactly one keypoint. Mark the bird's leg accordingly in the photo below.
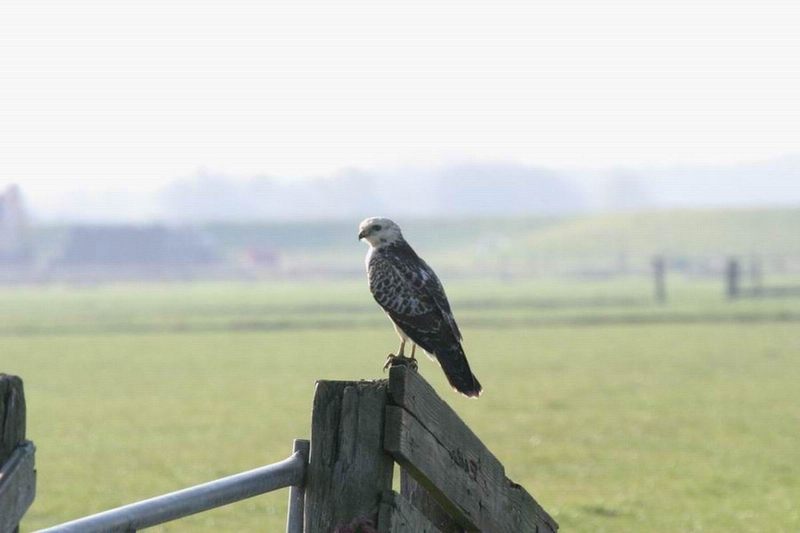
(401, 359)
(412, 361)
(391, 357)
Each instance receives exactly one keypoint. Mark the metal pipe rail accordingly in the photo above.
(290, 472)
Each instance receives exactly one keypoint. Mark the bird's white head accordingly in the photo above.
(379, 232)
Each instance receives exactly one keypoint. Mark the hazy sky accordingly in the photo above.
(130, 94)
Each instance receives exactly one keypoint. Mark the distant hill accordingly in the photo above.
(686, 231)
(689, 231)
(468, 243)
(694, 240)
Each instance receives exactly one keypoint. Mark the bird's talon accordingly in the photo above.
(393, 359)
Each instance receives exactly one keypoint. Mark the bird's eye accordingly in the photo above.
(376, 227)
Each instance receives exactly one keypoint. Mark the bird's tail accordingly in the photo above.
(456, 368)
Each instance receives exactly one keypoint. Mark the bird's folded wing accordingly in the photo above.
(421, 290)
(436, 291)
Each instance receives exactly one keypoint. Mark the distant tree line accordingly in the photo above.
(465, 189)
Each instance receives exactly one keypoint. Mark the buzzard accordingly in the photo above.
(413, 297)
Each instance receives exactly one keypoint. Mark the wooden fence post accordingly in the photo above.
(450, 482)
(659, 278)
(17, 474)
(348, 470)
(732, 278)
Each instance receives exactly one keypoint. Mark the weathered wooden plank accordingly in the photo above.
(477, 501)
(18, 478)
(348, 469)
(410, 391)
(397, 515)
(417, 450)
(17, 486)
(12, 415)
(422, 500)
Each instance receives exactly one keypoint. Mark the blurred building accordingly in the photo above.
(136, 246)
(98, 253)
(262, 257)
(15, 245)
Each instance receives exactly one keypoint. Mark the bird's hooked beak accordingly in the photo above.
(362, 234)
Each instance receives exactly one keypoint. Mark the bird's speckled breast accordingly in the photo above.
(396, 287)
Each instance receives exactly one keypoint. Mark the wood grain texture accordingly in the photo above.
(410, 391)
(397, 515)
(416, 495)
(12, 415)
(348, 470)
(446, 457)
(17, 472)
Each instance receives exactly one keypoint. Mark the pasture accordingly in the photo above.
(616, 413)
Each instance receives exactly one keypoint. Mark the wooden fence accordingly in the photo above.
(735, 287)
(361, 430)
(449, 480)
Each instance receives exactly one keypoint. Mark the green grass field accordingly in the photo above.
(616, 413)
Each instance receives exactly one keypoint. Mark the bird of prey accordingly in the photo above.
(414, 299)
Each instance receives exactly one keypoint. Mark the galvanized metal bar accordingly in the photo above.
(154, 511)
(297, 494)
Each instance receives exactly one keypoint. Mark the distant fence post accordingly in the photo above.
(732, 273)
(659, 278)
(17, 474)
